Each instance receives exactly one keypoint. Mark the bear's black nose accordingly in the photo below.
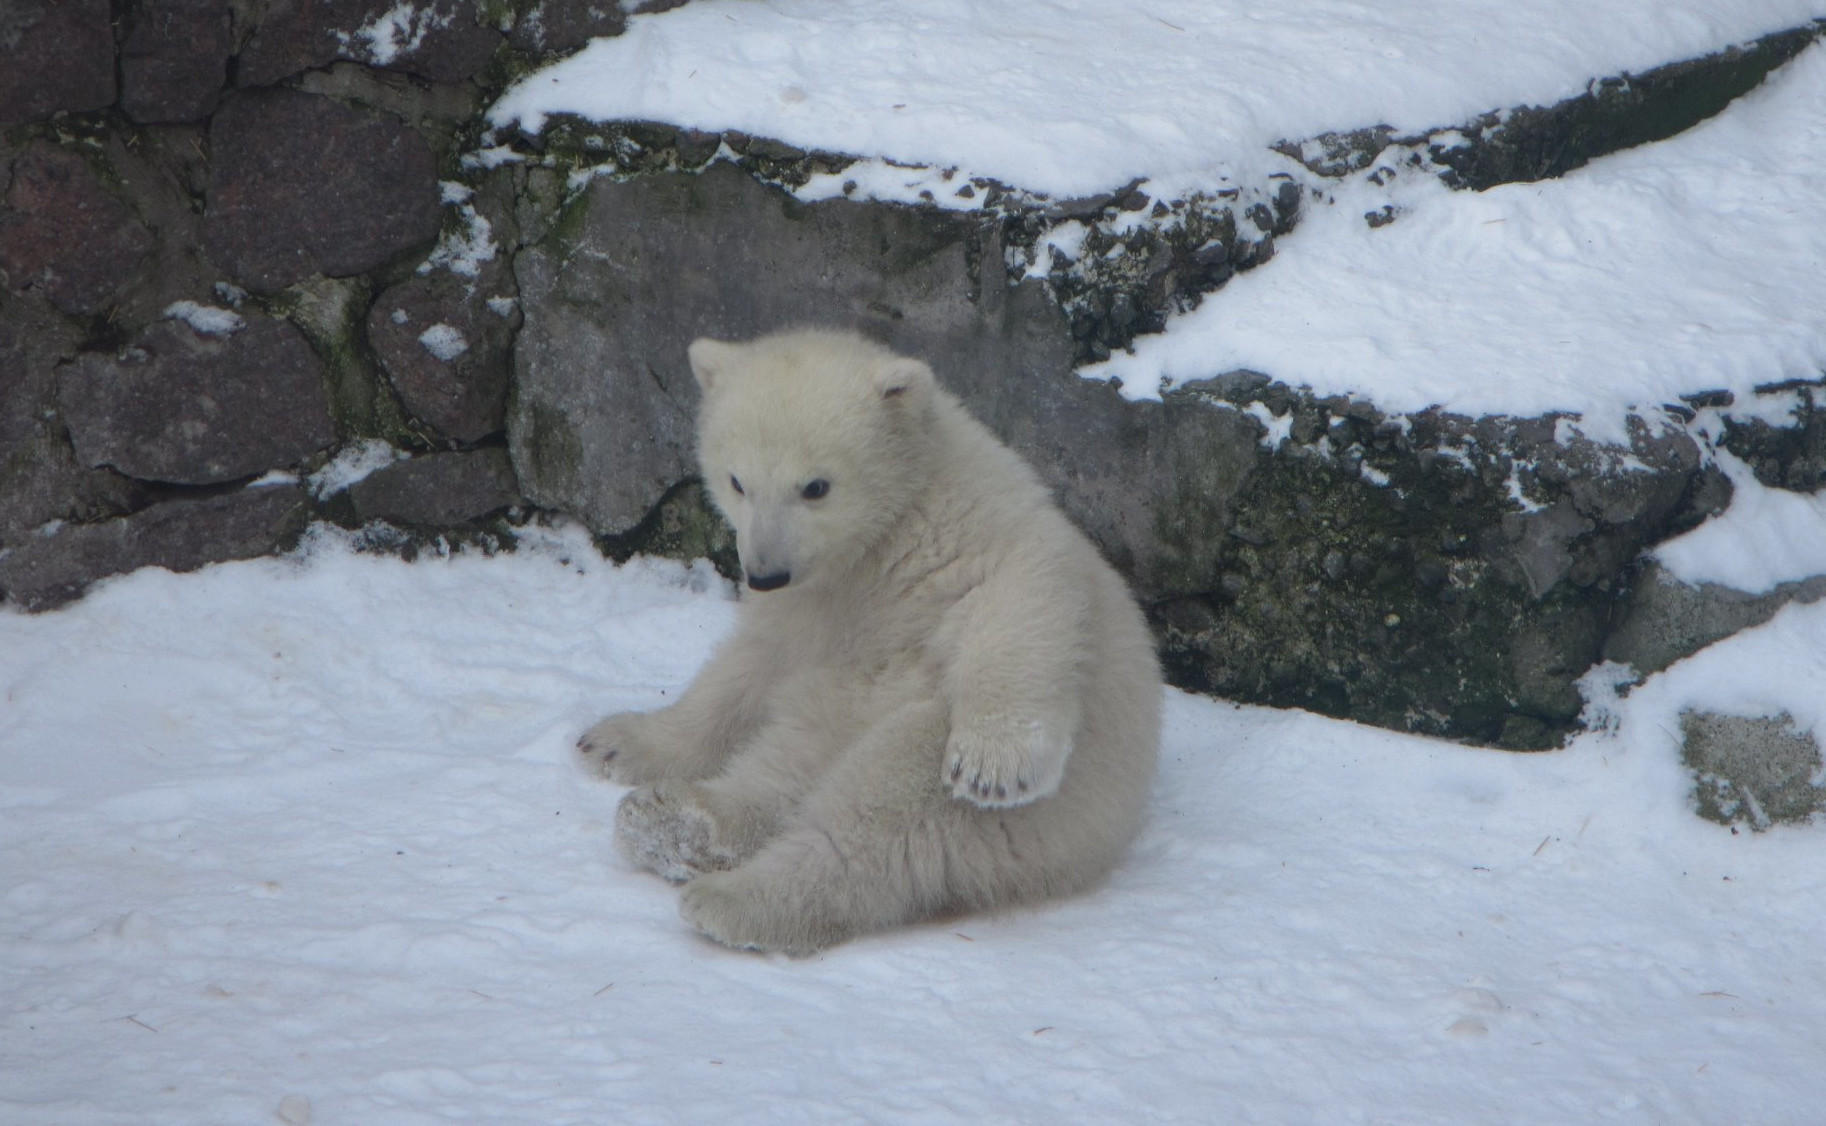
(770, 582)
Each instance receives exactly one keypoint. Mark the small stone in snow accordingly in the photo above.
(295, 1110)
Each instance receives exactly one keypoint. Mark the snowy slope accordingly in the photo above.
(1074, 97)
(312, 831)
(1695, 264)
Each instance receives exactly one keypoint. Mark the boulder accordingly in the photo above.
(446, 343)
(193, 408)
(174, 60)
(437, 490)
(65, 235)
(301, 185)
(54, 567)
(59, 56)
(443, 40)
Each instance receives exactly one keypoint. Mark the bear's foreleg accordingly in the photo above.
(1016, 686)
(694, 737)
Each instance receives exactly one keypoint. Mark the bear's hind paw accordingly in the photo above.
(665, 830)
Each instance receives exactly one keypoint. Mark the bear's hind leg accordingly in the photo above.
(880, 842)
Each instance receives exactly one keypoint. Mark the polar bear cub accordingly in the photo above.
(938, 696)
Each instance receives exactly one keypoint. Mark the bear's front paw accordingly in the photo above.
(667, 829)
(1001, 763)
(621, 749)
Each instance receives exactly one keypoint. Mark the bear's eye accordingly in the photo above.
(736, 484)
(816, 490)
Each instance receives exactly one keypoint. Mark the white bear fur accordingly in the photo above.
(951, 703)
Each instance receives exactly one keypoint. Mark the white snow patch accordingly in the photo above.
(446, 342)
(502, 306)
(1278, 427)
(394, 33)
(1765, 538)
(355, 461)
(463, 249)
(206, 320)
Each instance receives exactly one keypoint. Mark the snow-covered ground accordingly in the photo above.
(304, 839)
(311, 830)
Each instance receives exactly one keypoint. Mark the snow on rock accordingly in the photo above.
(1073, 97)
(1554, 296)
(355, 461)
(206, 320)
(337, 842)
(1767, 537)
(446, 342)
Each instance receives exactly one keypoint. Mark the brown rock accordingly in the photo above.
(303, 185)
(46, 571)
(63, 234)
(191, 409)
(59, 55)
(442, 40)
(438, 490)
(174, 61)
(447, 351)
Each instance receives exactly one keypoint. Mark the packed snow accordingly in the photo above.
(1767, 537)
(308, 837)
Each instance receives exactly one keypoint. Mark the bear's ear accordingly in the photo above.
(903, 378)
(710, 360)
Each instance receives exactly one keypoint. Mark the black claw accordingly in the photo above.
(1021, 787)
(1001, 792)
(957, 772)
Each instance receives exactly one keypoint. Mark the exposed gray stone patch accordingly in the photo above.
(302, 185)
(47, 570)
(174, 60)
(1757, 771)
(1664, 620)
(438, 490)
(1526, 143)
(59, 55)
(63, 234)
(185, 408)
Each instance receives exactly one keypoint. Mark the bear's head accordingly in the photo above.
(813, 444)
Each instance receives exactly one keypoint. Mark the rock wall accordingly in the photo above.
(247, 244)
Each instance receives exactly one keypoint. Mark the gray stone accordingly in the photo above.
(302, 185)
(1758, 771)
(174, 61)
(181, 407)
(49, 569)
(438, 490)
(63, 234)
(59, 56)
(40, 480)
(1665, 620)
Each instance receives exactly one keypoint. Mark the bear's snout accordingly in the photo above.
(770, 582)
